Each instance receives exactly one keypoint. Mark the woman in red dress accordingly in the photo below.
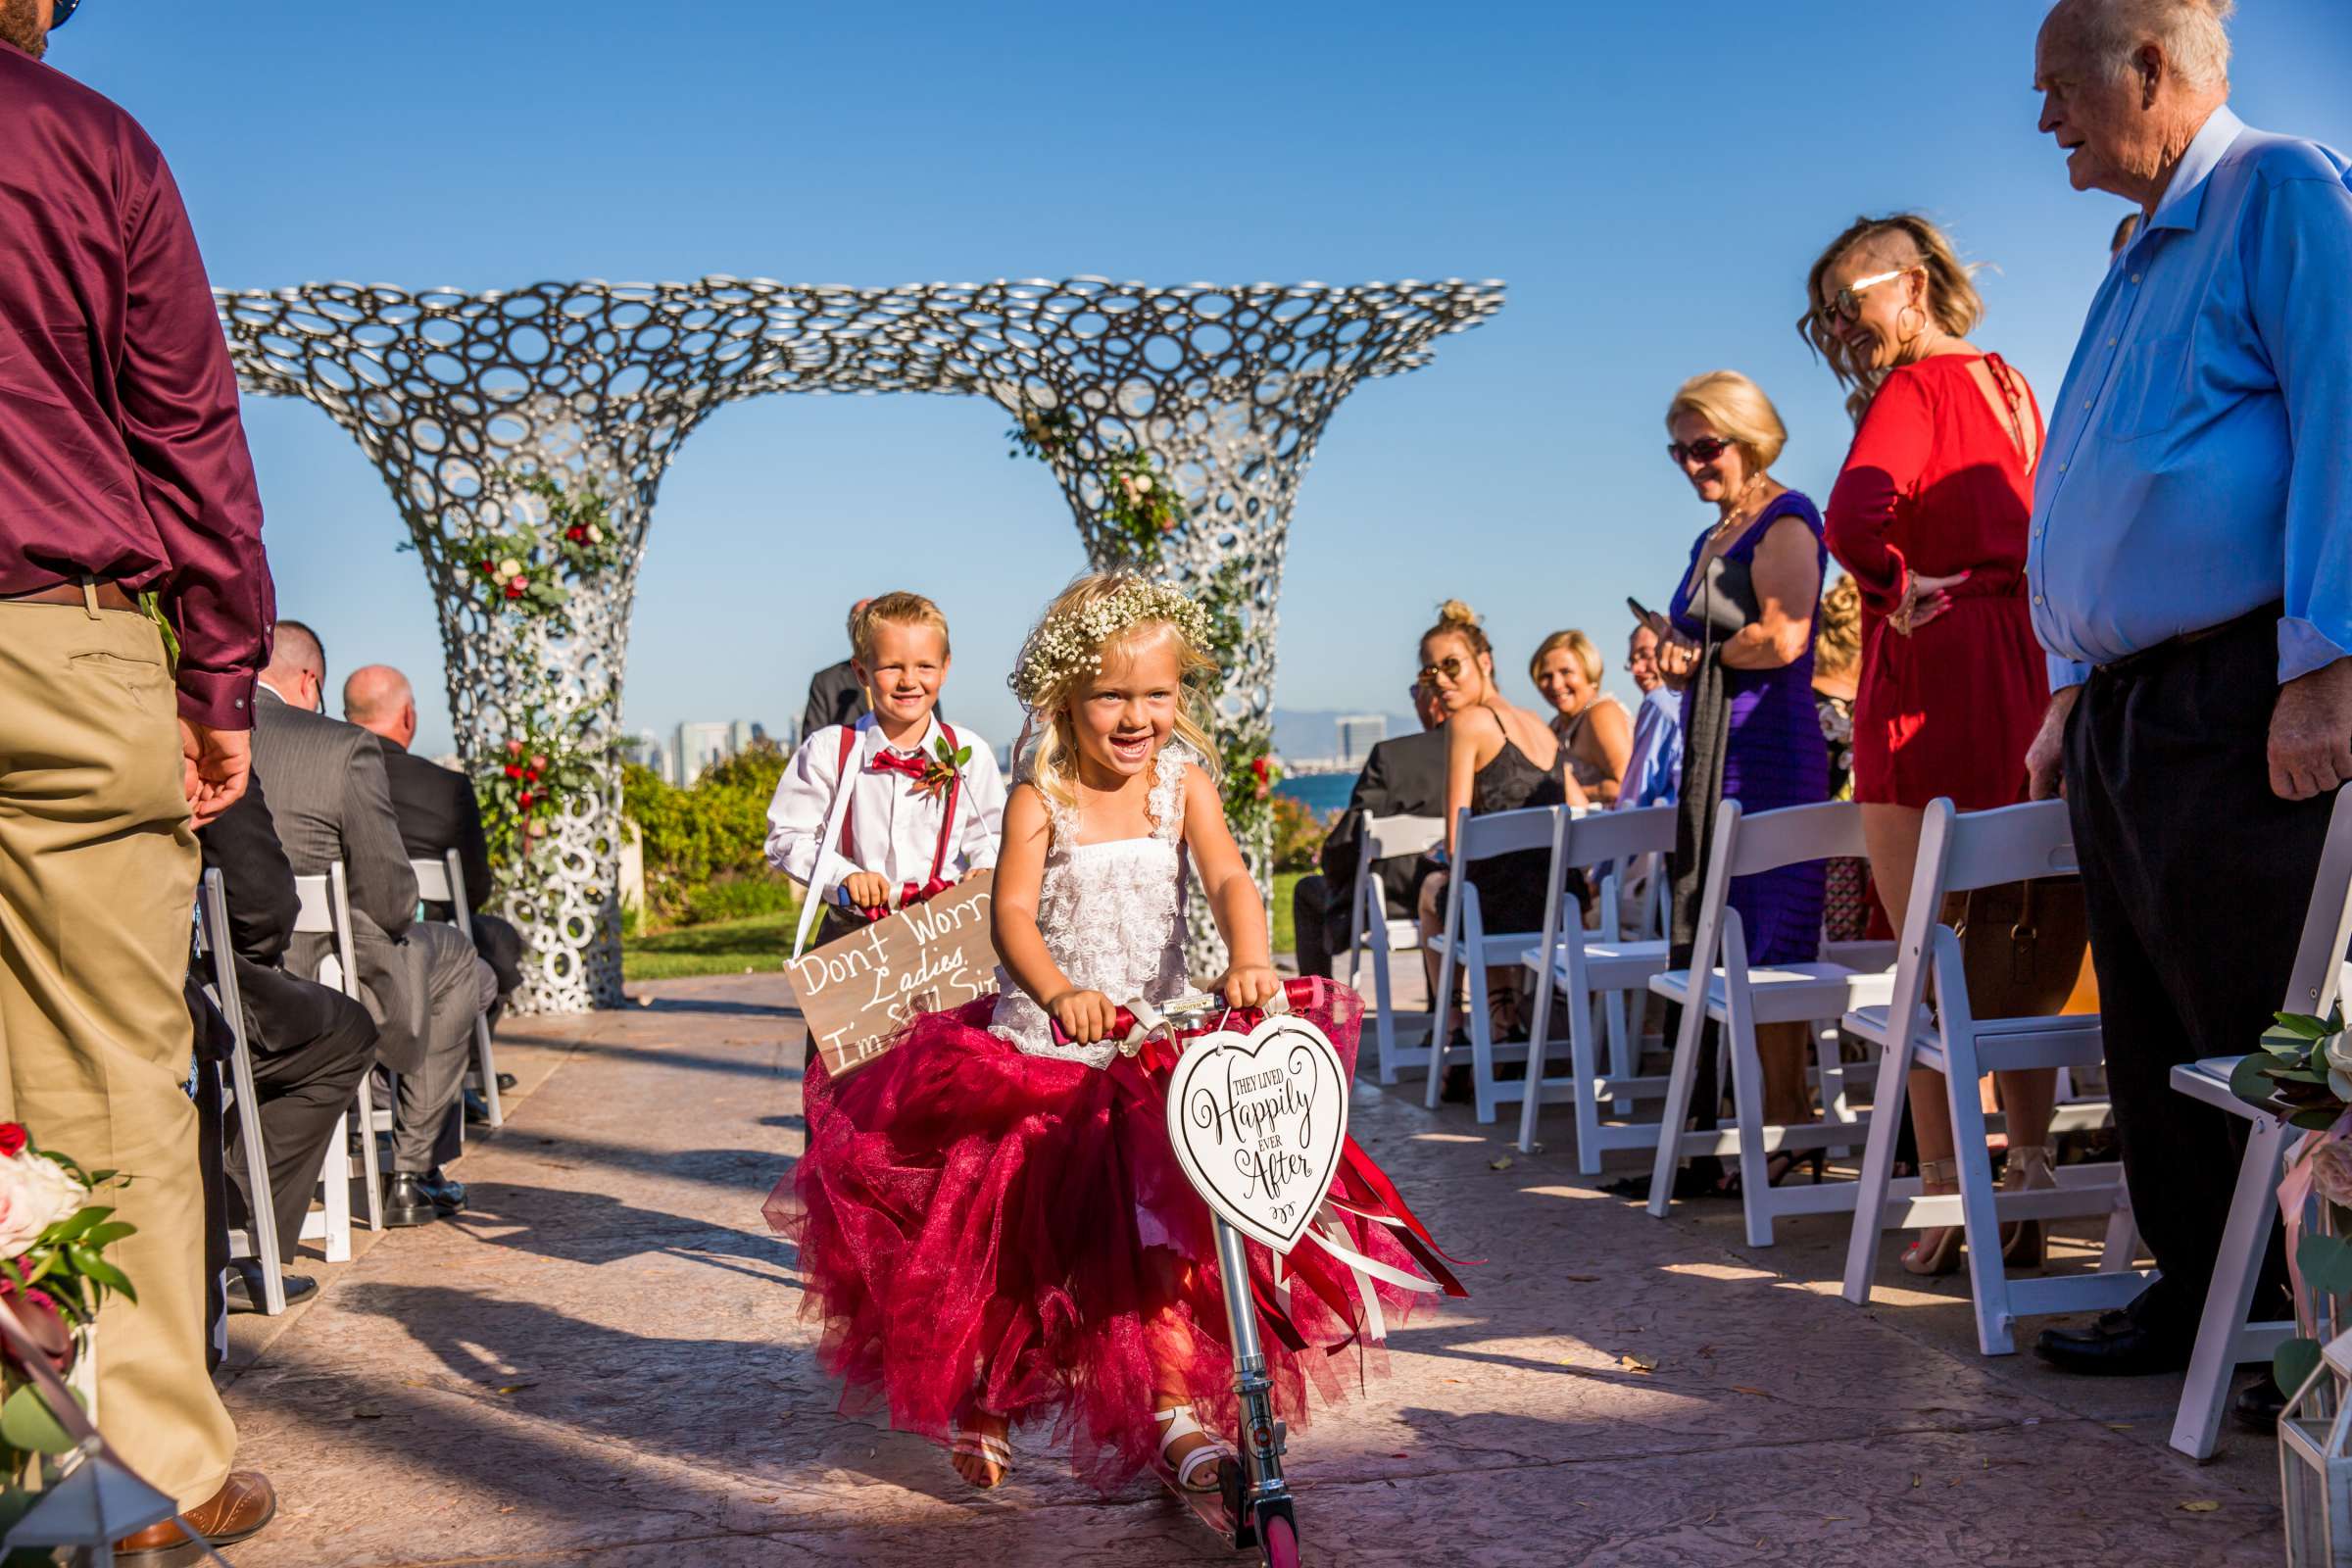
(1930, 514)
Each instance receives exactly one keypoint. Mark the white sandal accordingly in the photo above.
(996, 1451)
(1177, 1424)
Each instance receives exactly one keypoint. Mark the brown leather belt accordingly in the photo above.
(110, 596)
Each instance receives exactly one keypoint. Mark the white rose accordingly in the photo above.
(509, 567)
(595, 535)
(34, 1194)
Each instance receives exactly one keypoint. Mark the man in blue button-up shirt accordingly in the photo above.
(2190, 568)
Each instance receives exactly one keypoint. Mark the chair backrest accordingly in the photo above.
(432, 880)
(323, 907)
(1960, 852)
(212, 926)
(1791, 836)
(1387, 837)
(1599, 838)
(1531, 827)
(2319, 965)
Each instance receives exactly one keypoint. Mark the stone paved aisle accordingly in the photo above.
(601, 1364)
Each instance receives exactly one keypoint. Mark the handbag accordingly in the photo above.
(2022, 946)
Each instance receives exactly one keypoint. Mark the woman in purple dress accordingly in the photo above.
(1737, 643)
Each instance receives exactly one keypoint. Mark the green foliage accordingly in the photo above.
(2304, 1070)
(725, 946)
(1297, 835)
(705, 846)
(524, 785)
(2292, 1362)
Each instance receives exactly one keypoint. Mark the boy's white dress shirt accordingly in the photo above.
(895, 824)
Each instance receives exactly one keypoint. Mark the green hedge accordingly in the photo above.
(705, 846)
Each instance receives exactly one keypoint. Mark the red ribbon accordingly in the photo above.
(914, 768)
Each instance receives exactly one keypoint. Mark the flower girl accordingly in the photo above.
(993, 1227)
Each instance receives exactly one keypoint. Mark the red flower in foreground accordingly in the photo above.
(515, 589)
(12, 1140)
(38, 1315)
(531, 773)
(513, 771)
(577, 534)
(526, 801)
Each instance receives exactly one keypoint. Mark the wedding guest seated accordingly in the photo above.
(310, 1044)
(1654, 763)
(1596, 732)
(438, 812)
(330, 801)
(1403, 777)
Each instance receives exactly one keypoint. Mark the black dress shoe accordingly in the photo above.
(447, 1194)
(2257, 1405)
(2115, 1347)
(407, 1201)
(477, 1109)
(244, 1289)
(507, 1082)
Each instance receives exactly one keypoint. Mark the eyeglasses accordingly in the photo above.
(1706, 448)
(1451, 666)
(1847, 303)
(63, 13)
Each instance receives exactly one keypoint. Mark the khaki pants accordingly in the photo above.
(97, 878)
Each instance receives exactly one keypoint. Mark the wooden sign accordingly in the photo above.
(860, 993)
(1258, 1121)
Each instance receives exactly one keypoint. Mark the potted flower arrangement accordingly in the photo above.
(54, 1276)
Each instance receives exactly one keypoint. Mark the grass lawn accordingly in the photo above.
(730, 946)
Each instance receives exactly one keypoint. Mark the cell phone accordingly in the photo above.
(1640, 614)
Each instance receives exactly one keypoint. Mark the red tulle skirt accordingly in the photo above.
(981, 1231)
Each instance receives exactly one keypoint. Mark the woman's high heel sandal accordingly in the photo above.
(988, 1447)
(1176, 1424)
(1936, 1251)
(2026, 1244)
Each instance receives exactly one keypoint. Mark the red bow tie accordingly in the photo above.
(914, 768)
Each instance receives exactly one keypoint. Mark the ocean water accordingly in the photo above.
(1320, 793)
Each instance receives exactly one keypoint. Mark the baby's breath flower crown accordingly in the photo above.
(1070, 644)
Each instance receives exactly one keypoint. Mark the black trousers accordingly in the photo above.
(303, 1088)
(1319, 917)
(2196, 879)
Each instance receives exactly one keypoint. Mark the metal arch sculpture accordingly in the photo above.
(464, 400)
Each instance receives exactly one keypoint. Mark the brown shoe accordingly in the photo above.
(245, 1503)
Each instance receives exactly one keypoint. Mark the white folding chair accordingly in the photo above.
(1740, 998)
(1403, 1043)
(443, 881)
(325, 910)
(1958, 853)
(2225, 1337)
(1469, 945)
(259, 1240)
(1594, 971)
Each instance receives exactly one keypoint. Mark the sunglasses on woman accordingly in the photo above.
(62, 13)
(1706, 448)
(1451, 666)
(1847, 303)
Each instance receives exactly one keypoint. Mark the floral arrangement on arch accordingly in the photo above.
(54, 1276)
(529, 570)
(1140, 503)
(525, 785)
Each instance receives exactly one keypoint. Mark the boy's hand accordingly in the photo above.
(867, 890)
(1250, 985)
(1085, 1016)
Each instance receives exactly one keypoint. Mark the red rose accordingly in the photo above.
(514, 748)
(526, 800)
(513, 771)
(515, 589)
(38, 1315)
(12, 1140)
(1257, 766)
(577, 534)
(538, 761)
(531, 773)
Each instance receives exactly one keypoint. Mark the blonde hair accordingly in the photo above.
(1838, 645)
(2194, 36)
(1082, 631)
(1738, 411)
(1577, 643)
(1900, 239)
(899, 610)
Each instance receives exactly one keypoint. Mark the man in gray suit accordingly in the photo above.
(330, 801)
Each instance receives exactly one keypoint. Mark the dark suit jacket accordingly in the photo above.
(438, 813)
(282, 1012)
(834, 698)
(330, 800)
(1403, 777)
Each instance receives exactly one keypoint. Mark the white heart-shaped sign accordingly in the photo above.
(1258, 1121)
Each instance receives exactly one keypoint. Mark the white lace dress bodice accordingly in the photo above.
(1111, 915)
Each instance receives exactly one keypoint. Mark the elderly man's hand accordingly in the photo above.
(2046, 757)
(2311, 733)
(214, 764)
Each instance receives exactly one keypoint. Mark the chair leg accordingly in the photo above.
(337, 1186)
(368, 1159)
(1878, 1170)
(487, 1060)
(1681, 1081)
(1538, 1031)
(261, 1223)
(1584, 1059)
(2198, 1426)
(1384, 1017)
(1440, 1000)
(1980, 1220)
(1748, 1116)
(1481, 1039)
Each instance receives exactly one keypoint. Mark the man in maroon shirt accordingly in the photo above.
(126, 500)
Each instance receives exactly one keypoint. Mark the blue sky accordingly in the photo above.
(1651, 181)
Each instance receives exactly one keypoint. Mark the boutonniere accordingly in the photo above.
(941, 768)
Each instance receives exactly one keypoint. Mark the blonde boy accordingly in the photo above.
(924, 804)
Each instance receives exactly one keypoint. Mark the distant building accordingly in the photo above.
(1358, 734)
(740, 735)
(701, 744)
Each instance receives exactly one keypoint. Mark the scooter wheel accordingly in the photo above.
(1278, 1541)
